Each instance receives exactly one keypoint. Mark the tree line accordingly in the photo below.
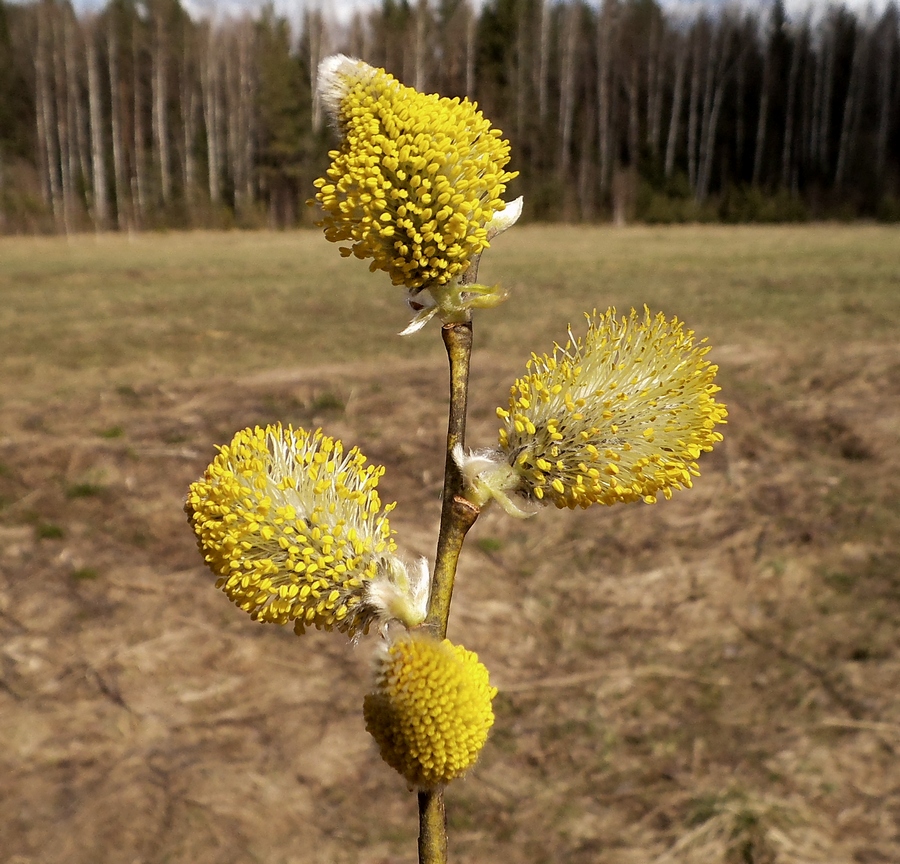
(137, 116)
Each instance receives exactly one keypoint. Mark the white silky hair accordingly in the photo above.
(335, 75)
(400, 592)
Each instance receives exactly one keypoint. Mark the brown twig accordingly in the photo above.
(457, 516)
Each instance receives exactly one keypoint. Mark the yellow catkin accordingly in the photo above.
(620, 414)
(293, 527)
(431, 710)
(416, 179)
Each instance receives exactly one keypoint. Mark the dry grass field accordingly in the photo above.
(710, 679)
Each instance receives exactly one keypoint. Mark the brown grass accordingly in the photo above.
(711, 679)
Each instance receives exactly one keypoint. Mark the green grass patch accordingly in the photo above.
(48, 531)
(211, 304)
(327, 402)
(842, 583)
(84, 490)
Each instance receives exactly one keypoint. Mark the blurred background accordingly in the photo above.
(132, 115)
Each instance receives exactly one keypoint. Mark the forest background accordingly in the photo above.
(136, 116)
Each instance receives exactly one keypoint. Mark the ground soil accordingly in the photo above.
(711, 679)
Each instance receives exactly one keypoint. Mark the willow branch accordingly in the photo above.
(432, 827)
(457, 514)
(457, 517)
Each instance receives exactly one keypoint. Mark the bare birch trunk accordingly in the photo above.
(160, 113)
(98, 155)
(248, 100)
(740, 99)
(544, 59)
(806, 100)
(677, 99)
(711, 123)
(585, 169)
(210, 85)
(762, 120)
(63, 128)
(471, 25)
(421, 44)
(706, 170)
(46, 119)
(693, 108)
(188, 95)
(827, 95)
(232, 113)
(604, 92)
(315, 34)
(789, 113)
(521, 78)
(79, 148)
(816, 118)
(358, 46)
(885, 92)
(652, 60)
(854, 94)
(656, 57)
(634, 114)
(661, 65)
(239, 135)
(43, 153)
(118, 139)
(709, 88)
(567, 87)
(138, 179)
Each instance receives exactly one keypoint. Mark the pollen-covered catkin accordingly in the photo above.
(417, 177)
(294, 528)
(620, 414)
(431, 709)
